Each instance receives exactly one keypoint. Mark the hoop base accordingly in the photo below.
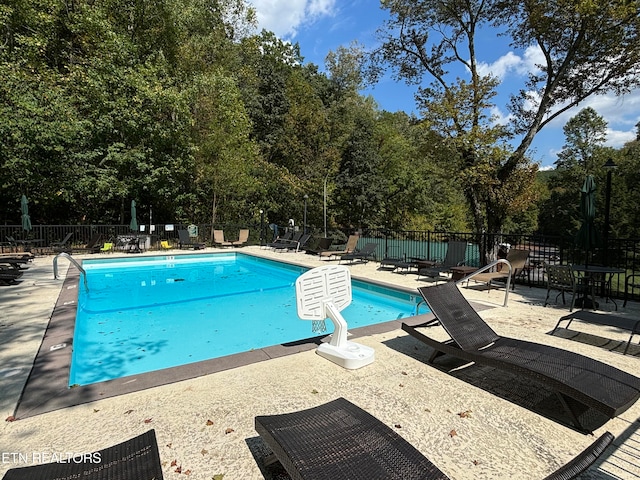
(349, 355)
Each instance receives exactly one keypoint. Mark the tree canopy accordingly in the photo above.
(185, 108)
(586, 48)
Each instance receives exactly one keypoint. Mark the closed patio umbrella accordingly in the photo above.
(26, 219)
(134, 221)
(587, 236)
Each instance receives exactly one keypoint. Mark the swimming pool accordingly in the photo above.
(144, 314)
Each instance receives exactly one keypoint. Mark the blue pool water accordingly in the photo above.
(148, 313)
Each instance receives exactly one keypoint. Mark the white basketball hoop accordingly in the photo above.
(323, 293)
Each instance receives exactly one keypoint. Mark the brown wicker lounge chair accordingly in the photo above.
(134, 459)
(581, 383)
(340, 441)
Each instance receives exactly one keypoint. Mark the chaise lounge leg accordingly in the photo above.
(434, 355)
(571, 412)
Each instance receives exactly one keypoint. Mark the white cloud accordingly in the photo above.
(512, 63)
(285, 17)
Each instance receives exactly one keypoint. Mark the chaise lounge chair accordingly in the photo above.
(321, 245)
(9, 274)
(294, 245)
(184, 240)
(243, 237)
(63, 245)
(367, 253)
(292, 238)
(581, 383)
(284, 238)
(455, 256)
(137, 458)
(518, 260)
(340, 441)
(349, 247)
(219, 240)
(93, 245)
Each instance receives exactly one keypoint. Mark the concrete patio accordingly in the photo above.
(465, 420)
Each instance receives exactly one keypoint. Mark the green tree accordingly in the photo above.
(585, 135)
(578, 39)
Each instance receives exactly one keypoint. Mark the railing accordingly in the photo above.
(483, 248)
(74, 262)
(489, 267)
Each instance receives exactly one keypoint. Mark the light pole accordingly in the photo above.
(610, 166)
(304, 220)
(261, 227)
(324, 204)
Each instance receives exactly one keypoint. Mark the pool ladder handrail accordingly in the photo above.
(74, 262)
(481, 270)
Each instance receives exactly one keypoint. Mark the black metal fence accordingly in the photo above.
(621, 253)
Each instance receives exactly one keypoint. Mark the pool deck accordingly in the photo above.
(205, 424)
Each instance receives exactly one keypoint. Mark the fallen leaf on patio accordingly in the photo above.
(229, 430)
(314, 391)
(453, 433)
(218, 476)
(95, 410)
(147, 420)
(170, 445)
(128, 412)
(476, 462)
(404, 373)
(174, 463)
(187, 472)
(465, 414)
(203, 452)
(401, 385)
(209, 423)
(427, 410)
(397, 425)
(179, 469)
(10, 418)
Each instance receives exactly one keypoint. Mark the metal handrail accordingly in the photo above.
(74, 262)
(487, 267)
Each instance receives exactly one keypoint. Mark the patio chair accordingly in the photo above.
(63, 245)
(518, 260)
(367, 253)
(563, 279)
(631, 282)
(137, 458)
(580, 382)
(455, 256)
(107, 247)
(349, 247)
(243, 237)
(164, 245)
(184, 240)
(341, 441)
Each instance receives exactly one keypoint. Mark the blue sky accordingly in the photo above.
(320, 26)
